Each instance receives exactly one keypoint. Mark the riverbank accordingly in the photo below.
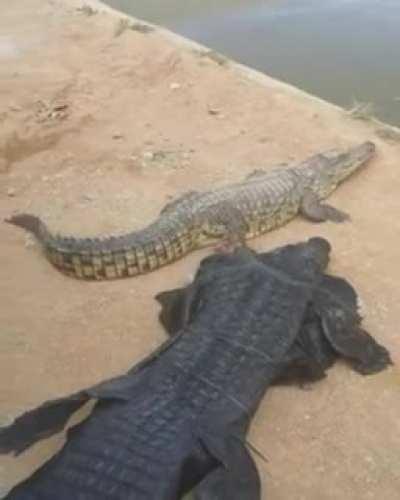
(102, 123)
(311, 44)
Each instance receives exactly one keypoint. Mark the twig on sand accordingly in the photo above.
(125, 23)
(141, 28)
(87, 10)
(218, 58)
(361, 111)
(365, 111)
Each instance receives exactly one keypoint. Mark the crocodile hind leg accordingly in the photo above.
(226, 222)
(312, 209)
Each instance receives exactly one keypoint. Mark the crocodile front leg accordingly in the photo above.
(312, 209)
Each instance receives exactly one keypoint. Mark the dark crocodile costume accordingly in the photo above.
(178, 421)
(262, 202)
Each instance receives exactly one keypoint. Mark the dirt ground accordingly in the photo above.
(100, 126)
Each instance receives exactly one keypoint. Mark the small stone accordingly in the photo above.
(175, 86)
(11, 192)
(62, 106)
(15, 107)
(117, 136)
(88, 197)
(213, 111)
(148, 155)
(29, 241)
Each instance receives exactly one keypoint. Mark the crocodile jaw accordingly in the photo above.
(339, 166)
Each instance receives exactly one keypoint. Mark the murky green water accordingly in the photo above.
(340, 50)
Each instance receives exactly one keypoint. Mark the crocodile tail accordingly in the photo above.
(30, 223)
(112, 257)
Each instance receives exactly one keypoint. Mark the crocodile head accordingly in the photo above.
(330, 169)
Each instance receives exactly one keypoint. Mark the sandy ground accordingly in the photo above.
(98, 131)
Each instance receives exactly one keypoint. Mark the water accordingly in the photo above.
(340, 50)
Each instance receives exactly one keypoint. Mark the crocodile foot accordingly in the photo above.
(227, 246)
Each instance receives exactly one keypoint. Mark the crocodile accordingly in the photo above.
(235, 213)
(177, 422)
